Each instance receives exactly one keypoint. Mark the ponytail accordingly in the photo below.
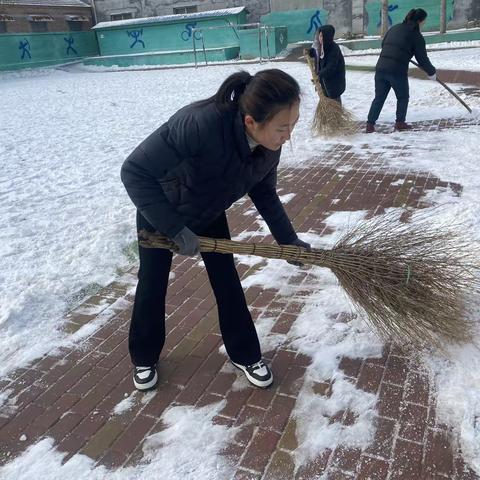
(415, 15)
(231, 89)
(261, 96)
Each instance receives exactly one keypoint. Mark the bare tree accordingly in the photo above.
(384, 13)
(443, 16)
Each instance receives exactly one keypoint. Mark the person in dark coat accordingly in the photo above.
(182, 179)
(329, 62)
(399, 45)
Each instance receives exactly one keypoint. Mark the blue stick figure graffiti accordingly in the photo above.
(315, 22)
(391, 8)
(24, 46)
(136, 34)
(187, 33)
(70, 41)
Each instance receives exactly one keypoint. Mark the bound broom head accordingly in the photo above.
(414, 282)
(417, 282)
(331, 118)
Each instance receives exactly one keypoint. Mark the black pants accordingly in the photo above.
(383, 83)
(147, 327)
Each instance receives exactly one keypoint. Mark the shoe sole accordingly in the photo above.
(147, 386)
(253, 381)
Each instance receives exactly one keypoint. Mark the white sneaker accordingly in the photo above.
(145, 378)
(257, 374)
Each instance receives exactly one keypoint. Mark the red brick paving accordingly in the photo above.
(70, 397)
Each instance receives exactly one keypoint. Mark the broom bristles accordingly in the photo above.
(414, 283)
(330, 118)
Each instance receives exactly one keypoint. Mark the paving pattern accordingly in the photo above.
(70, 396)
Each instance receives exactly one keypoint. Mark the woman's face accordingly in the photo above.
(274, 133)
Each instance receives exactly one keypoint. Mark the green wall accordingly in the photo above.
(398, 9)
(168, 36)
(249, 44)
(301, 23)
(44, 49)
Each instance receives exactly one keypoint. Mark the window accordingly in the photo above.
(183, 10)
(4, 19)
(39, 26)
(74, 26)
(75, 22)
(121, 16)
(39, 22)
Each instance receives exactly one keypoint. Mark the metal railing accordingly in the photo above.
(263, 30)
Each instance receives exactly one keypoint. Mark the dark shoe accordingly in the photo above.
(370, 128)
(257, 374)
(145, 378)
(402, 126)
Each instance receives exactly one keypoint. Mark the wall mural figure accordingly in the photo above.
(136, 34)
(24, 46)
(398, 9)
(391, 8)
(187, 33)
(70, 41)
(315, 22)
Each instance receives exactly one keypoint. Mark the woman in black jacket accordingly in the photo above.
(399, 45)
(182, 178)
(329, 62)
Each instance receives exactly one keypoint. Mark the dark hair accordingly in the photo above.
(415, 15)
(261, 96)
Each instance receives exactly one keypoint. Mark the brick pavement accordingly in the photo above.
(70, 396)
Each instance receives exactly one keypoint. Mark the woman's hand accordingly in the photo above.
(187, 242)
(302, 244)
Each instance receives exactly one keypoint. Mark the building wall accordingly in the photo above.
(44, 49)
(363, 16)
(59, 23)
(167, 36)
(151, 8)
(398, 9)
(348, 16)
(301, 24)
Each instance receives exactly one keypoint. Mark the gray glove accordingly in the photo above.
(305, 245)
(187, 242)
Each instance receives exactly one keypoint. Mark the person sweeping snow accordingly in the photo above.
(327, 67)
(329, 63)
(399, 45)
(182, 179)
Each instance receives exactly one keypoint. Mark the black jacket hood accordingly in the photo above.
(328, 32)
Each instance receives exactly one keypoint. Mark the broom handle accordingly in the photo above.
(315, 79)
(284, 252)
(446, 87)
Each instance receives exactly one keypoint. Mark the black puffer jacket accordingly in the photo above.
(330, 68)
(399, 45)
(195, 166)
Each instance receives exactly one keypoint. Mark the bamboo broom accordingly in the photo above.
(330, 118)
(414, 283)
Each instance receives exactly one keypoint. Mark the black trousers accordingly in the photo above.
(383, 83)
(147, 326)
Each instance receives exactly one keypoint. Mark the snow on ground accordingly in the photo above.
(187, 449)
(451, 59)
(67, 227)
